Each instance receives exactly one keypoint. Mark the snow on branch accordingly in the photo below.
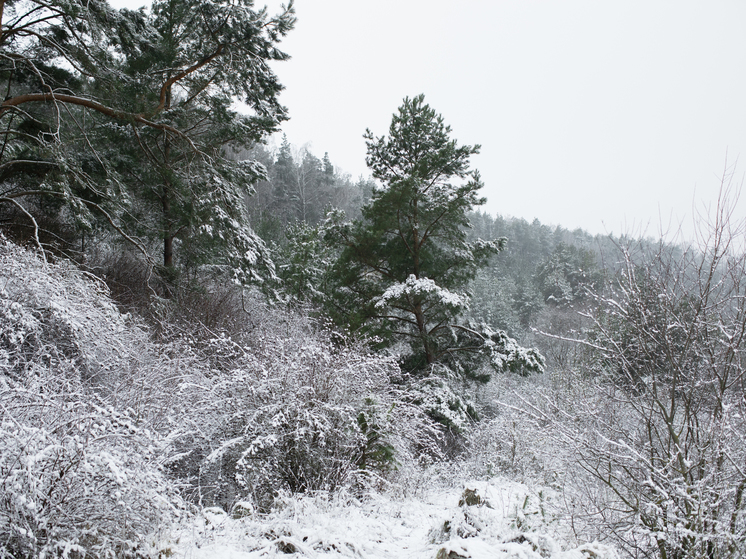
(424, 288)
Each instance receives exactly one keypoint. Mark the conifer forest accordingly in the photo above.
(214, 346)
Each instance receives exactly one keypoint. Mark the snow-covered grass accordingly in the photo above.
(500, 519)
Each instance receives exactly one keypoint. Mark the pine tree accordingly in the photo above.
(133, 120)
(328, 170)
(209, 53)
(406, 264)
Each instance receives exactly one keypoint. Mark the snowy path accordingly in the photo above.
(511, 524)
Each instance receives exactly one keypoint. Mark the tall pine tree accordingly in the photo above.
(129, 116)
(405, 265)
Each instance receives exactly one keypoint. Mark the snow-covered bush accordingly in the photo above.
(436, 396)
(667, 446)
(299, 409)
(45, 305)
(514, 439)
(509, 445)
(656, 424)
(82, 394)
(76, 476)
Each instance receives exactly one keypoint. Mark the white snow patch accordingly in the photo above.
(418, 288)
(384, 526)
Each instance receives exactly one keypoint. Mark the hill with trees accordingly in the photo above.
(210, 348)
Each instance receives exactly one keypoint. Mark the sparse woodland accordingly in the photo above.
(209, 347)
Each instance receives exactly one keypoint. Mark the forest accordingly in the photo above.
(212, 346)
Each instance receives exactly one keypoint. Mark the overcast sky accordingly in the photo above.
(596, 114)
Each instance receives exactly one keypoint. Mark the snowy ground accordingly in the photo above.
(512, 521)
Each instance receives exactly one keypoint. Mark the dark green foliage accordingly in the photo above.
(377, 454)
(147, 158)
(437, 398)
(190, 191)
(405, 265)
(412, 228)
(304, 263)
(415, 225)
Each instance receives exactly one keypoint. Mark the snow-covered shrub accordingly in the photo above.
(56, 313)
(44, 305)
(82, 394)
(76, 476)
(506, 445)
(300, 410)
(667, 443)
(656, 423)
(622, 485)
(511, 442)
(437, 398)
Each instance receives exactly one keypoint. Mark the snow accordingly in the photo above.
(421, 288)
(509, 524)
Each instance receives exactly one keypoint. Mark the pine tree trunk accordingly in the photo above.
(168, 251)
(422, 328)
(168, 236)
(168, 244)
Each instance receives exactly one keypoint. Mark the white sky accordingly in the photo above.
(594, 114)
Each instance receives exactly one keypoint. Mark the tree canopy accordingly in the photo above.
(127, 117)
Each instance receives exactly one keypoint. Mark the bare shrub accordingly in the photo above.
(660, 435)
(79, 446)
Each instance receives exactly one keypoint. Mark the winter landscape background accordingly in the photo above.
(216, 346)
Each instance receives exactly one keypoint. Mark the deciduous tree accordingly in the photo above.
(662, 432)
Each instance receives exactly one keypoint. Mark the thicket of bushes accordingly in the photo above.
(110, 428)
(107, 435)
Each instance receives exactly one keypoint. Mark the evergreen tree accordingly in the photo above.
(566, 275)
(328, 168)
(299, 187)
(309, 189)
(283, 178)
(51, 55)
(406, 263)
(209, 53)
(132, 116)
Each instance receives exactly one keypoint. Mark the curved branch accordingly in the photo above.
(10, 168)
(93, 105)
(31, 217)
(469, 330)
(184, 73)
